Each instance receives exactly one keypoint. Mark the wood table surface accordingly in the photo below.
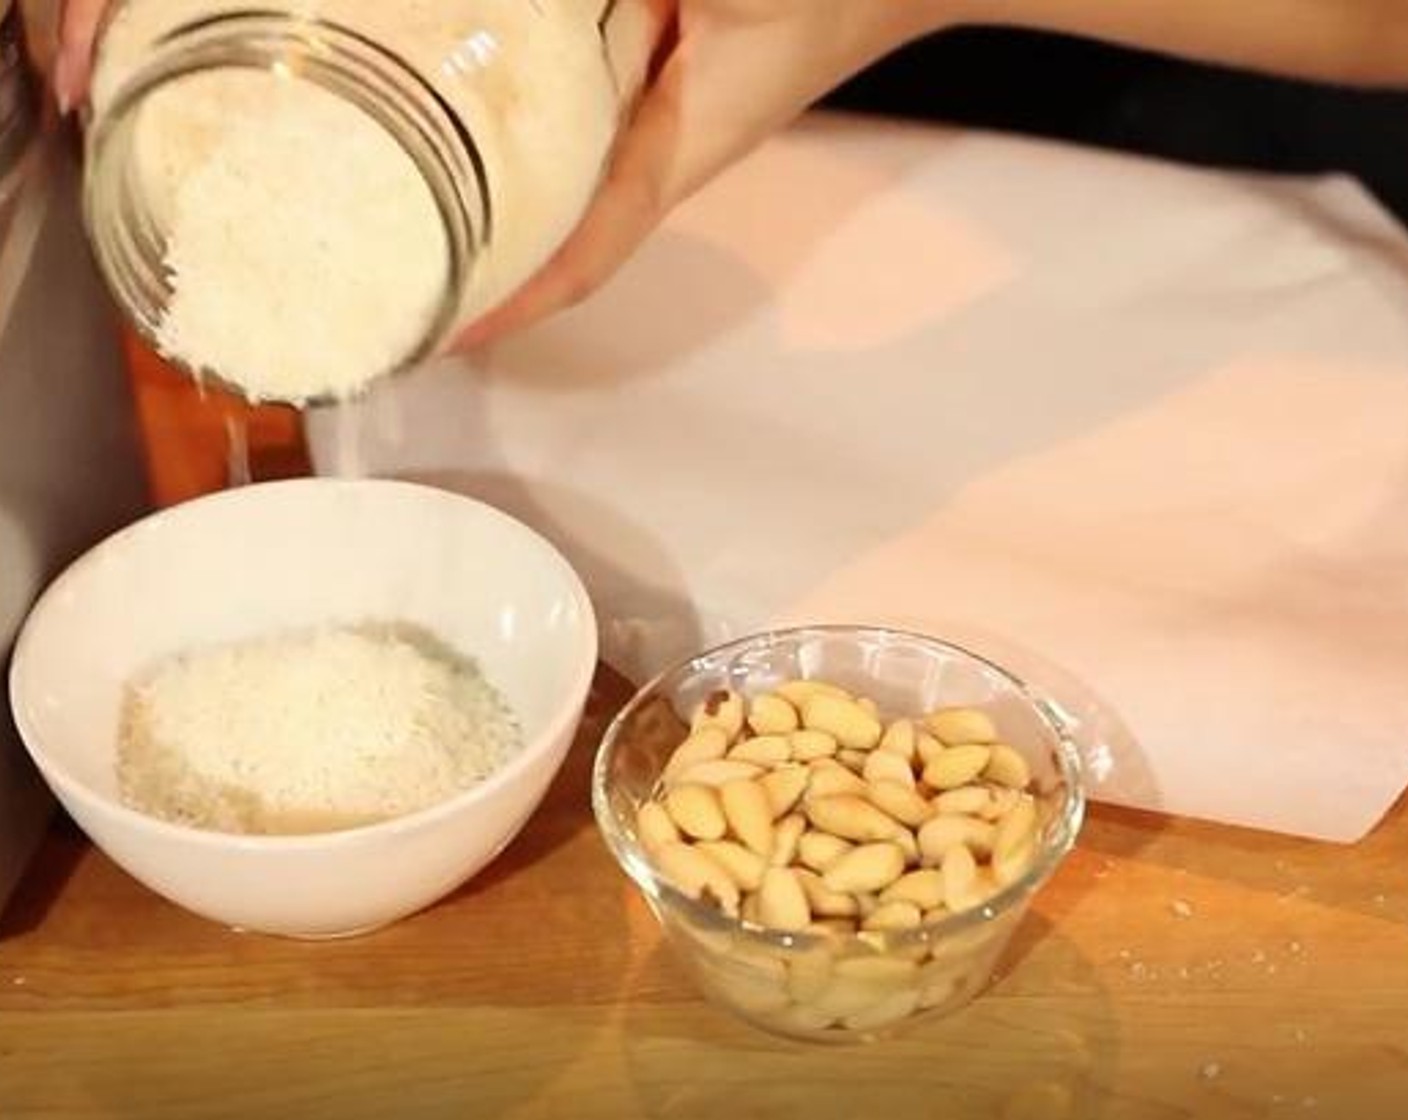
(1171, 969)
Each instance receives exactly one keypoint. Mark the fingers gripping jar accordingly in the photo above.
(297, 198)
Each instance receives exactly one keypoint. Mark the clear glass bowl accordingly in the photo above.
(822, 987)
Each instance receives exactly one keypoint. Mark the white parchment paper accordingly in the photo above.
(1139, 431)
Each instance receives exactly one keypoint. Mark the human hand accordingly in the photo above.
(78, 28)
(732, 72)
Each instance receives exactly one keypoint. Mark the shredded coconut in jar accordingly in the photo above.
(305, 255)
(310, 731)
(288, 219)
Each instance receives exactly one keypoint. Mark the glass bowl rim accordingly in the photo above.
(1062, 830)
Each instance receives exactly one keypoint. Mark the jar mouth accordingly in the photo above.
(127, 237)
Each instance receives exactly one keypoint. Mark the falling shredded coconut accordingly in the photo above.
(310, 731)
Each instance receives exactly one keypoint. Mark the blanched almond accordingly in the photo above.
(939, 835)
(924, 888)
(784, 787)
(1008, 767)
(719, 771)
(1009, 866)
(696, 811)
(852, 760)
(809, 972)
(960, 872)
(851, 817)
(722, 708)
(809, 745)
(743, 866)
(1001, 800)
(905, 841)
(954, 726)
(749, 814)
(867, 868)
(894, 916)
(878, 1016)
(704, 745)
(823, 901)
(971, 800)
(883, 972)
(693, 873)
(762, 750)
(827, 781)
(846, 996)
(772, 715)
(886, 766)
(1017, 828)
(782, 904)
(836, 929)
(927, 748)
(956, 766)
(900, 739)
(850, 724)
(654, 826)
(901, 802)
(785, 836)
(798, 692)
(818, 850)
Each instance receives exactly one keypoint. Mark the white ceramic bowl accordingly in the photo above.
(290, 554)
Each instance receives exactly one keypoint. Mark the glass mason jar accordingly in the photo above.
(297, 198)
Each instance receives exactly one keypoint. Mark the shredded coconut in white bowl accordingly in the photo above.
(310, 731)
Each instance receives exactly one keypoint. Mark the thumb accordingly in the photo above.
(78, 30)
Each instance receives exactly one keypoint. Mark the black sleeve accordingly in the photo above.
(1076, 90)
